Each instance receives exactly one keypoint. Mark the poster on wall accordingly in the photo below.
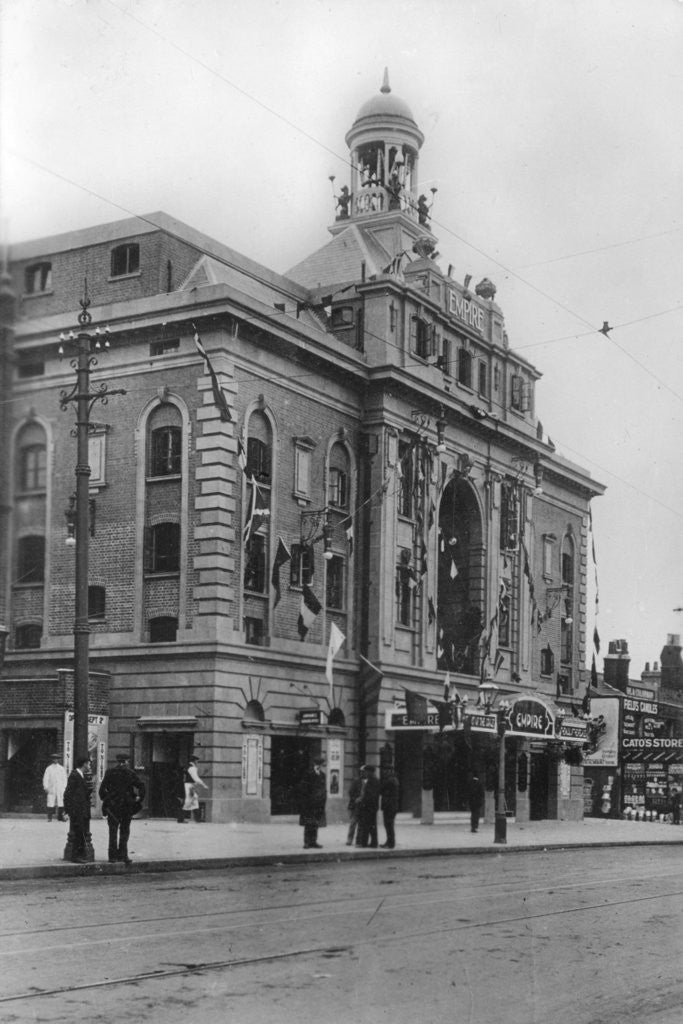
(603, 733)
(252, 765)
(334, 767)
(98, 732)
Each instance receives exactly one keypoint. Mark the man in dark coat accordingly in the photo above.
(388, 793)
(77, 806)
(312, 800)
(354, 797)
(476, 799)
(121, 793)
(368, 806)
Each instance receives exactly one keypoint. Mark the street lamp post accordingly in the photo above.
(501, 824)
(86, 346)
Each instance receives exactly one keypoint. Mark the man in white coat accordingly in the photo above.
(54, 784)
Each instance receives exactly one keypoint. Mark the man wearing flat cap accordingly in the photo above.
(312, 800)
(121, 793)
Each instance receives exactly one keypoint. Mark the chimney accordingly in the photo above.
(672, 663)
(616, 665)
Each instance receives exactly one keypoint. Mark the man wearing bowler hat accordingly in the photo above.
(312, 800)
(121, 793)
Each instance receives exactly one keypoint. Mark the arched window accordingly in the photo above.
(338, 481)
(125, 259)
(164, 441)
(31, 459)
(460, 580)
(163, 629)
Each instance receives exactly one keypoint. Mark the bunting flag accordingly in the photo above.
(349, 535)
(498, 663)
(310, 609)
(596, 640)
(282, 555)
(219, 397)
(527, 571)
(337, 638)
(257, 513)
(431, 611)
(242, 453)
(370, 682)
(431, 515)
(416, 708)
(586, 702)
(423, 562)
(447, 687)
(594, 676)
(446, 713)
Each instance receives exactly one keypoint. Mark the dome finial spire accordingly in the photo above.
(385, 82)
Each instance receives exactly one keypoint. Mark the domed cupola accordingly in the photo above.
(384, 141)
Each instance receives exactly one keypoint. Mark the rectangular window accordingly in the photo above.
(28, 637)
(447, 357)
(342, 317)
(405, 589)
(423, 337)
(465, 367)
(125, 259)
(33, 463)
(162, 548)
(163, 629)
(483, 379)
(166, 451)
(255, 564)
(254, 632)
(509, 516)
(302, 565)
(334, 583)
(258, 460)
(96, 602)
(548, 556)
(38, 278)
(29, 367)
(31, 560)
(161, 348)
(338, 490)
(519, 394)
(405, 483)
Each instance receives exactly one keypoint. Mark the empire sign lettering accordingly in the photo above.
(466, 310)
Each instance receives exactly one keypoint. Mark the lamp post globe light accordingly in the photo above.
(86, 346)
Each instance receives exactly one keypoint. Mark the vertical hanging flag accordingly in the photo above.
(349, 535)
(416, 708)
(310, 608)
(431, 611)
(282, 555)
(596, 641)
(219, 398)
(337, 638)
(594, 678)
(242, 453)
(370, 683)
(257, 513)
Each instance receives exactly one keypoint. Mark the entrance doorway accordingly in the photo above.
(167, 754)
(538, 785)
(29, 752)
(290, 757)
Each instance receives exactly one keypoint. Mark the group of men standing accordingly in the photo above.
(366, 794)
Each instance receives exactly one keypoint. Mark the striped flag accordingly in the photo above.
(308, 612)
(337, 638)
(219, 397)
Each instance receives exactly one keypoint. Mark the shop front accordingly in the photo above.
(435, 762)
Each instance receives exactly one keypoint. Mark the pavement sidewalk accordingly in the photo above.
(33, 847)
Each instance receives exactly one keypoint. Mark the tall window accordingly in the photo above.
(32, 466)
(258, 459)
(567, 606)
(334, 583)
(465, 367)
(423, 337)
(31, 560)
(519, 393)
(302, 565)
(483, 379)
(162, 548)
(166, 454)
(255, 564)
(405, 486)
(405, 590)
(38, 278)
(96, 602)
(338, 495)
(125, 259)
(509, 516)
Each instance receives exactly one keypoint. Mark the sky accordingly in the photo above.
(553, 133)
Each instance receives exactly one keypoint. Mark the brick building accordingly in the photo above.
(381, 470)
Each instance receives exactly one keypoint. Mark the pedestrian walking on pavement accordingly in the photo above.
(388, 794)
(312, 800)
(476, 800)
(77, 806)
(121, 793)
(54, 784)
(368, 806)
(354, 797)
(192, 782)
(675, 806)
